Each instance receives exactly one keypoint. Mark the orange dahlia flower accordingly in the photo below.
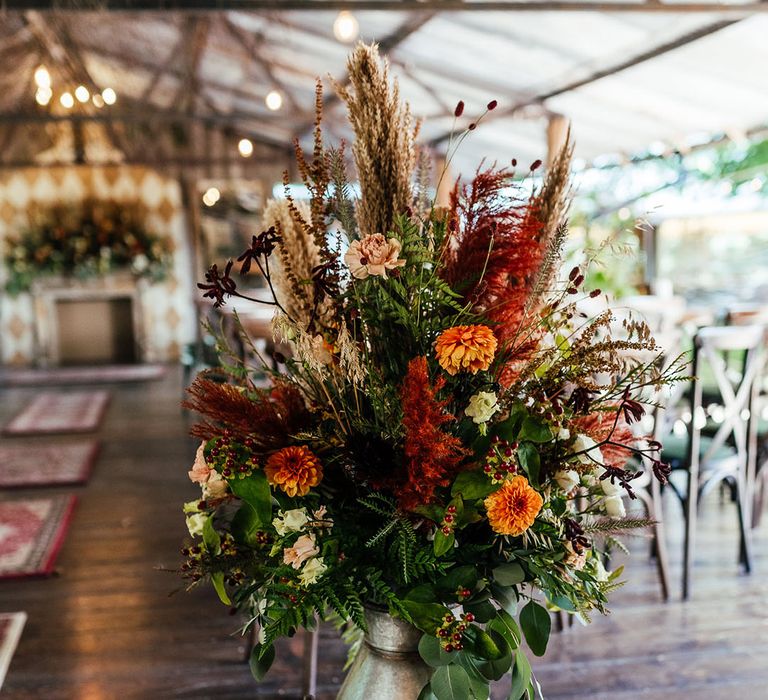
(466, 347)
(294, 469)
(513, 508)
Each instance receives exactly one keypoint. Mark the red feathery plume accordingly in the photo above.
(432, 457)
(269, 418)
(598, 426)
(494, 217)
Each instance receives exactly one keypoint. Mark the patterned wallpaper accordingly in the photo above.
(167, 311)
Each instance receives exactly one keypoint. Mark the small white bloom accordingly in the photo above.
(567, 479)
(290, 521)
(191, 507)
(590, 451)
(482, 406)
(614, 506)
(312, 571)
(609, 487)
(195, 524)
(563, 434)
(600, 571)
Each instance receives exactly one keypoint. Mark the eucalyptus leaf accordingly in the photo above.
(536, 624)
(261, 659)
(521, 677)
(528, 456)
(483, 610)
(535, 430)
(426, 693)
(432, 653)
(427, 616)
(509, 574)
(458, 577)
(507, 627)
(450, 683)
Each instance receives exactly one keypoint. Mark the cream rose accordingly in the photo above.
(567, 479)
(587, 446)
(482, 406)
(373, 255)
(305, 548)
(614, 506)
(195, 524)
(312, 571)
(290, 521)
(215, 487)
(609, 487)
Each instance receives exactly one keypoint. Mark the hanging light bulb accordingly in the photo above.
(274, 100)
(109, 96)
(245, 146)
(43, 96)
(211, 196)
(42, 77)
(67, 101)
(345, 27)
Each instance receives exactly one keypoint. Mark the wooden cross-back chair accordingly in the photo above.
(725, 452)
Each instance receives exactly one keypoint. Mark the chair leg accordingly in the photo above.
(745, 543)
(691, 512)
(659, 539)
(309, 674)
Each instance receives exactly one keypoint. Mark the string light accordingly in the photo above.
(67, 101)
(98, 101)
(109, 96)
(211, 196)
(42, 77)
(82, 94)
(245, 146)
(274, 100)
(346, 27)
(43, 96)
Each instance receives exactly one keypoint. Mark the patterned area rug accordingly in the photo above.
(71, 412)
(82, 375)
(31, 464)
(32, 531)
(11, 626)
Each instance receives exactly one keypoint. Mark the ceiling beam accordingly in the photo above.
(650, 6)
(636, 60)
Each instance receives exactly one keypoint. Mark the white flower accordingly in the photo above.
(195, 523)
(290, 521)
(567, 479)
(614, 506)
(609, 487)
(600, 572)
(191, 507)
(591, 453)
(215, 487)
(563, 434)
(312, 571)
(482, 406)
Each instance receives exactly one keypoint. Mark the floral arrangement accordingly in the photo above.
(90, 239)
(450, 439)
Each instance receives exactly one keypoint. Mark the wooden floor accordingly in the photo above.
(107, 627)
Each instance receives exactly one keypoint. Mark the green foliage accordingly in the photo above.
(261, 659)
(536, 624)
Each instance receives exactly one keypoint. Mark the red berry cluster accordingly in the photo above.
(233, 459)
(499, 462)
(449, 521)
(463, 593)
(451, 632)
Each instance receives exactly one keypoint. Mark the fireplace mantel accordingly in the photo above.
(49, 293)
